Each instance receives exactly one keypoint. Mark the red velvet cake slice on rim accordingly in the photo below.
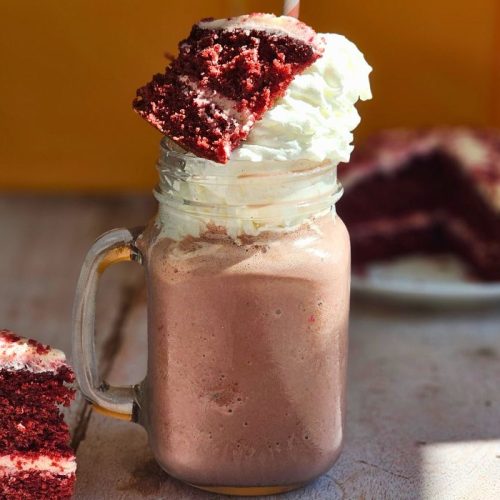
(36, 461)
(430, 191)
(228, 73)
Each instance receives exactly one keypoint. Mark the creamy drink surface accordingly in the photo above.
(248, 353)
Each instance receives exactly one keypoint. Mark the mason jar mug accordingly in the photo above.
(247, 270)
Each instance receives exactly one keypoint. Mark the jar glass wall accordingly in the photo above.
(248, 282)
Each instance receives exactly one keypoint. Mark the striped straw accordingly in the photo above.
(291, 8)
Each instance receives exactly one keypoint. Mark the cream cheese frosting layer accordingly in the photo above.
(18, 353)
(13, 463)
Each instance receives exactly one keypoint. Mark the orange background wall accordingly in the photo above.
(69, 70)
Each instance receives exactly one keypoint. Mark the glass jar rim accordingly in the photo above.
(173, 157)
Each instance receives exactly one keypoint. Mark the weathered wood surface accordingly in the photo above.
(424, 386)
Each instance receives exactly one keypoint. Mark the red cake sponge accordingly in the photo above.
(228, 73)
(36, 460)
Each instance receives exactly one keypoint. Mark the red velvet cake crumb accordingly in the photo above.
(224, 79)
(40, 348)
(30, 485)
(10, 336)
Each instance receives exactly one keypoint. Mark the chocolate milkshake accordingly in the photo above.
(247, 264)
(247, 355)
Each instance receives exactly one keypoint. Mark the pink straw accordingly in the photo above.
(291, 8)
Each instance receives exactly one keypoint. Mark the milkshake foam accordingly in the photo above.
(248, 355)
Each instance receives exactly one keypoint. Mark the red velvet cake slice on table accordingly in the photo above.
(426, 191)
(228, 73)
(36, 461)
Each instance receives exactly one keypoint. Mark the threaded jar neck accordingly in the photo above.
(242, 196)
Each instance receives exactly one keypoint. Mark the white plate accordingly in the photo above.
(434, 280)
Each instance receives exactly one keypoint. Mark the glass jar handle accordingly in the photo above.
(117, 245)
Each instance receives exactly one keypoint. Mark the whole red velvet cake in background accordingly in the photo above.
(36, 461)
(228, 73)
(426, 191)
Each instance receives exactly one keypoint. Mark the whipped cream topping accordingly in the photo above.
(315, 118)
(13, 463)
(244, 198)
(18, 353)
(284, 173)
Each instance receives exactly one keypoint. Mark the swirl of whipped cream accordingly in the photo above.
(315, 118)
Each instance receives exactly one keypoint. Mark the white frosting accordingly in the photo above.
(21, 355)
(469, 149)
(63, 466)
(315, 118)
(480, 160)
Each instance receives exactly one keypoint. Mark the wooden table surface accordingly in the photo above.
(423, 416)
